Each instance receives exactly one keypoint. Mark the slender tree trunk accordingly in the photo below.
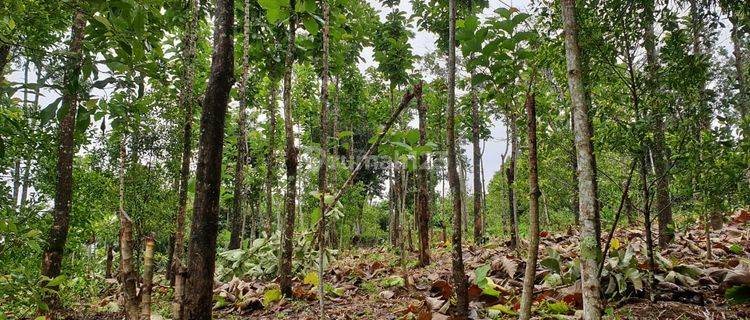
(662, 203)
(186, 100)
(476, 162)
(510, 173)
(590, 248)
(270, 159)
(285, 270)
(534, 193)
(462, 181)
(58, 233)
(205, 225)
(459, 275)
(148, 276)
(16, 175)
(322, 171)
(422, 204)
(235, 240)
(110, 258)
(574, 163)
(647, 213)
(128, 276)
(30, 157)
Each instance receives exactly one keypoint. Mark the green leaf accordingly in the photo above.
(412, 137)
(311, 25)
(103, 20)
(502, 309)
(481, 275)
(271, 296)
(738, 295)
(311, 278)
(56, 281)
(48, 112)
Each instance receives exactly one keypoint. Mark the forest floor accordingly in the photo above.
(370, 283)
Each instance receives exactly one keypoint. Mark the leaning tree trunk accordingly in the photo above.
(476, 162)
(186, 100)
(590, 248)
(285, 264)
(422, 204)
(205, 225)
(534, 193)
(235, 240)
(459, 275)
(58, 233)
(662, 203)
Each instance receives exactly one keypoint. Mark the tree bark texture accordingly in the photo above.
(58, 233)
(186, 100)
(534, 193)
(590, 247)
(459, 275)
(202, 247)
(285, 265)
(422, 205)
(235, 240)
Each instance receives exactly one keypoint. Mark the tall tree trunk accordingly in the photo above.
(322, 171)
(534, 193)
(128, 277)
(662, 202)
(235, 240)
(148, 276)
(590, 247)
(202, 247)
(285, 265)
(476, 162)
(270, 159)
(422, 204)
(510, 173)
(58, 233)
(459, 275)
(186, 100)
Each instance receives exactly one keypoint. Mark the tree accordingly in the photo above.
(662, 202)
(285, 264)
(58, 234)
(204, 228)
(590, 248)
(534, 193)
(459, 280)
(186, 100)
(322, 175)
(235, 241)
(422, 209)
